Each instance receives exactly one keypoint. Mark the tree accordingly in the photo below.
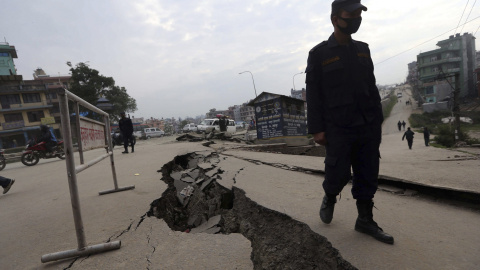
(88, 84)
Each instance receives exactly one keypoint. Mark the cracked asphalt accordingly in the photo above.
(36, 215)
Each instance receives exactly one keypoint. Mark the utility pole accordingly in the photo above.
(456, 106)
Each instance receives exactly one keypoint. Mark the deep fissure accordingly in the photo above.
(195, 202)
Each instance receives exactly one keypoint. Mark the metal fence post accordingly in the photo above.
(72, 176)
(79, 132)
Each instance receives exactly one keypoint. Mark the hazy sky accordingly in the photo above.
(181, 58)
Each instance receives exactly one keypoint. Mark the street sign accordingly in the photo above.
(47, 120)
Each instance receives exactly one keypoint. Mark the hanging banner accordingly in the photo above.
(92, 133)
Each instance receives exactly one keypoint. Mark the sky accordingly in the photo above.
(182, 58)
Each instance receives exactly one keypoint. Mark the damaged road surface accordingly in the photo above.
(202, 197)
(241, 211)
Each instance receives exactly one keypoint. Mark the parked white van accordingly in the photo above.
(152, 132)
(214, 123)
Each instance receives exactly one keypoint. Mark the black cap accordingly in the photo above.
(347, 5)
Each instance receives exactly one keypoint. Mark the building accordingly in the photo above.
(24, 104)
(7, 65)
(154, 122)
(478, 59)
(300, 94)
(246, 112)
(412, 76)
(52, 82)
(455, 55)
(280, 119)
(213, 113)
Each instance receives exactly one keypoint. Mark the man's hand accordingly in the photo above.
(320, 138)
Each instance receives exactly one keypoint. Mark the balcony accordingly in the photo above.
(25, 106)
(440, 61)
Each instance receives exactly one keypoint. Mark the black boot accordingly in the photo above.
(126, 151)
(133, 149)
(326, 210)
(367, 225)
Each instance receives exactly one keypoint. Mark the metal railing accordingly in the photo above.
(82, 250)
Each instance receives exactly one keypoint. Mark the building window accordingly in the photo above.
(3, 54)
(52, 95)
(31, 98)
(13, 117)
(10, 99)
(35, 116)
(433, 59)
(429, 90)
(55, 109)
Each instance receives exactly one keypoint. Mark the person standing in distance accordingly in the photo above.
(126, 128)
(345, 115)
(409, 135)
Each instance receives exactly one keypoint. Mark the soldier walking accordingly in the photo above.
(345, 115)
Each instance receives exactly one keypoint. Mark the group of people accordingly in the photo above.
(409, 136)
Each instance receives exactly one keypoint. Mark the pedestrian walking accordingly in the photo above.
(409, 135)
(6, 183)
(348, 125)
(403, 125)
(426, 135)
(126, 128)
(399, 124)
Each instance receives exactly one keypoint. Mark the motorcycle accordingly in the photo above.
(2, 160)
(117, 139)
(34, 151)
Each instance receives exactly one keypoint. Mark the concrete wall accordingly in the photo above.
(431, 107)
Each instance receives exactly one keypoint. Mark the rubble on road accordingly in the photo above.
(278, 241)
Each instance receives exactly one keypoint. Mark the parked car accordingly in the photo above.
(214, 123)
(138, 130)
(152, 133)
(190, 127)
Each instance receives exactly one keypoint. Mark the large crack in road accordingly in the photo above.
(196, 202)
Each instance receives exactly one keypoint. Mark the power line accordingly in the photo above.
(469, 14)
(476, 31)
(423, 42)
(459, 21)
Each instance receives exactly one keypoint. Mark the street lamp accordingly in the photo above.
(252, 81)
(294, 80)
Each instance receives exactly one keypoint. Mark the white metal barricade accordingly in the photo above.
(64, 95)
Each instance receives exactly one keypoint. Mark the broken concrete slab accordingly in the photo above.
(194, 173)
(187, 179)
(206, 183)
(212, 222)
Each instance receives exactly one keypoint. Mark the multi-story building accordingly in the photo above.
(154, 122)
(52, 82)
(454, 55)
(247, 112)
(412, 76)
(24, 105)
(213, 113)
(300, 94)
(478, 59)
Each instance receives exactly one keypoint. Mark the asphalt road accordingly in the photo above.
(36, 215)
